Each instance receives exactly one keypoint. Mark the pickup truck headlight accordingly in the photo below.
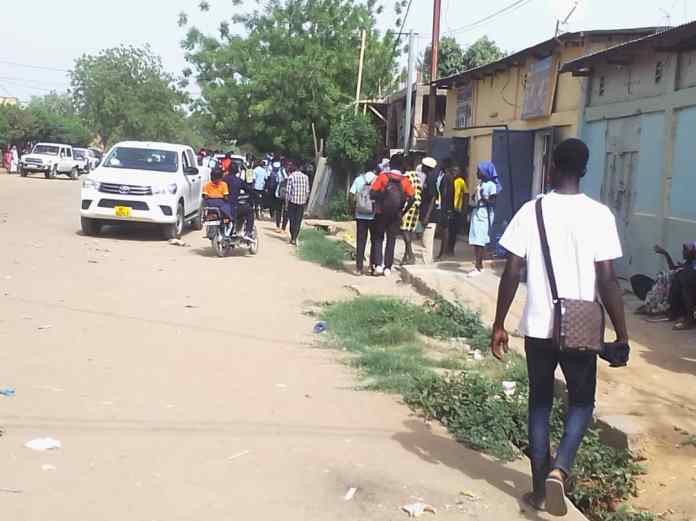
(163, 190)
(88, 184)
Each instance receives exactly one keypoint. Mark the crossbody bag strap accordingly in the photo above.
(545, 250)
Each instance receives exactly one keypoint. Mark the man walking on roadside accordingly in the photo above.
(260, 175)
(360, 199)
(394, 195)
(297, 195)
(583, 241)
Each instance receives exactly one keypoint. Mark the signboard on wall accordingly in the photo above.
(538, 91)
(465, 97)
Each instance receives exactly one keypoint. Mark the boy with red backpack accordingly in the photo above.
(393, 194)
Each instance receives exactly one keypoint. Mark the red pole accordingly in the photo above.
(435, 48)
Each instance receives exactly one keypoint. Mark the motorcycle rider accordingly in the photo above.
(241, 196)
(216, 193)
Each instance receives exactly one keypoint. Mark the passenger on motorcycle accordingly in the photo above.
(216, 193)
(241, 201)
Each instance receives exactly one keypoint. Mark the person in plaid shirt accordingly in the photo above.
(297, 195)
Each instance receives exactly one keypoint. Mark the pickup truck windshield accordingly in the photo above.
(78, 154)
(142, 159)
(45, 149)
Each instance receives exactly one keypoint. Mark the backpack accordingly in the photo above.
(283, 188)
(272, 183)
(393, 199)
(363, 202)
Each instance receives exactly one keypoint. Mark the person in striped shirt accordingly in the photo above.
(296, 195)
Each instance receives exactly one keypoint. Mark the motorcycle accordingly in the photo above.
(225, 235)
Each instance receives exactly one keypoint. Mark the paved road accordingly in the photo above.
(185, 387)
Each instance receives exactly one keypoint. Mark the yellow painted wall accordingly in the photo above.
(499, 99)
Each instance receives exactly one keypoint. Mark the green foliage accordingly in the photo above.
(295, 64)
(389, 340)
(314, 246)
(124, 93)
(453, 59)
(48, 118)
(352, 141)
(338, 209)
(478, 414)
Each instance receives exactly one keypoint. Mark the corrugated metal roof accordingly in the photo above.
(543, 48)
(667, 39)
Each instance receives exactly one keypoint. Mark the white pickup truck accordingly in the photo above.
(51, 159)
(144, 182)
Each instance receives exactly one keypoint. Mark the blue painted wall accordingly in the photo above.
(594, 135)
(683, 196)
(648, 179)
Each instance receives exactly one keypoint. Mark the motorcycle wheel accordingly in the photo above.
(220, 245)
(254, 248)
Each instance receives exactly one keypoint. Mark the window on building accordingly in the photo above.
(465, 106)
(658, 72)
(602, 83)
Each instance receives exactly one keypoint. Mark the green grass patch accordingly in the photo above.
(392, 342)
(315, 246)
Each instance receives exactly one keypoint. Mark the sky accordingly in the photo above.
(42, 38)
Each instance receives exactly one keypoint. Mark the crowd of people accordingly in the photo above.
(245, 192)
(421, 201)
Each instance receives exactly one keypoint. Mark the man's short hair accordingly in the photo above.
(571, 156)
(396, 161)
(216, 173)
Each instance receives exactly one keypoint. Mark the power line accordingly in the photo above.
(33, 66)
(401, 30)
(29, 80)
(517, 4)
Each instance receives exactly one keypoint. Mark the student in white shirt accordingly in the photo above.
(584, 241)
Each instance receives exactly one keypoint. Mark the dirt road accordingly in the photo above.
(186, 387)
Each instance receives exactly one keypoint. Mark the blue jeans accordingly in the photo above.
(580, 371)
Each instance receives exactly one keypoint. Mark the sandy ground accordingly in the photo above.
(187, 387)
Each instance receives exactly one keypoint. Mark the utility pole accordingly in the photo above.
(360, 70)
(409, 91)
(435, 48)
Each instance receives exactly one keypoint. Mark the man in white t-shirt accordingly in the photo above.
(583, 241)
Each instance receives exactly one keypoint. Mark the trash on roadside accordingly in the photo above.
(43, 444)
(48, 467)
(418, 509)
(44, 328)
(11, 490)
(93, 262)
(478, 356)
(177, 242)
(469, 495)
(350, 494)
(239, 454)
(509, 388)
(190, 306)
(320, 327)
(8, 392)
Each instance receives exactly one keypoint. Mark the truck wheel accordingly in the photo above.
(74, 173)
(90, 227)
(175, 229)
(197, 222)
(52, 173)
(22, 172)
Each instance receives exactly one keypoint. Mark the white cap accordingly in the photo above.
(429, 162)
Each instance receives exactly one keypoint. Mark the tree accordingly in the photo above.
(47, 118)
(124, 93)
(295, 65)
(352, 142)
(453, 59)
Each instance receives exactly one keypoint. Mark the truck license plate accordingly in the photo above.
(122, 211)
